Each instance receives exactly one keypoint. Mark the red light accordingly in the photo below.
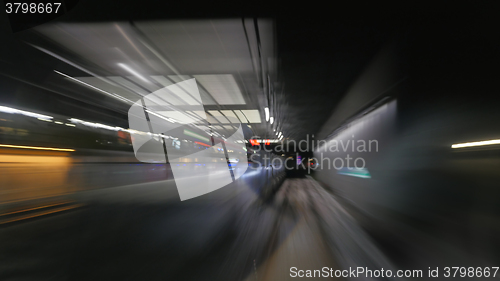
(200, 143)
(268, 142)
(254, 142)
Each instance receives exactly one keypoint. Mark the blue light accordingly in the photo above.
(355, 172)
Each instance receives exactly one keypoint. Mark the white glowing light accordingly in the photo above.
(476, 143)
(96, 125)
(271, 120)
(135, 73)
(107, 127)
(22, 112)
(266, 111)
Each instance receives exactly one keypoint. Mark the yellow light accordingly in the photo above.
(36, 147)
(476, 143)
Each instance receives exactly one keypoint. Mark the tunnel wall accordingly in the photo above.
(381, 75)
(421, 193)
(360, 144)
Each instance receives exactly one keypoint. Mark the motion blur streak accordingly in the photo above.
(93, 87)
(27, 113)
(476, 143)
(32, 176)
(35, 147)
(363, 136)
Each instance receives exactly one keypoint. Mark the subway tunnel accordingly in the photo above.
(249, 141)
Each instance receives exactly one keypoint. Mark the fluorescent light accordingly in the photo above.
(222, 87)
(22, 112)
(96, 125)
(71, 125)
(280, 134)
(241, 116)
(252, 115)
(476, 143)
(219, 116)
(271, 120)
(266, 111)
(188, 95)
(58, 122)
(43, 119)
(35, 147)
(230, 115)
(135, 73)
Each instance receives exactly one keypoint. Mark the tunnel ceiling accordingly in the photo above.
(316, 52)
(319, 61)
